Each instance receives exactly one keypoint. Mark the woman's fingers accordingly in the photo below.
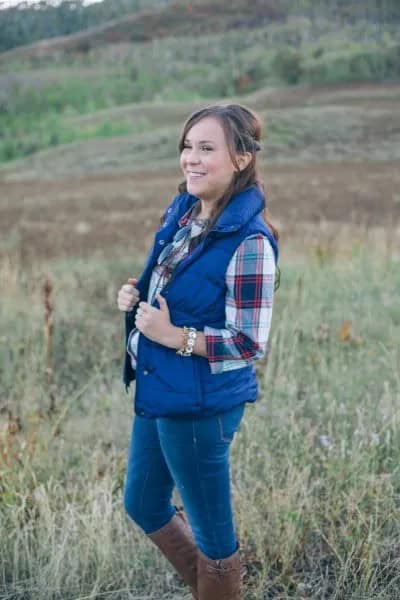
(126, 305)
(129, 288)
(128, 296)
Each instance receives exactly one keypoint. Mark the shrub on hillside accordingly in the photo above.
(365, 64)
(288, 65)
(392, 57)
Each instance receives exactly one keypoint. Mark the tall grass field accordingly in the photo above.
(315, 464)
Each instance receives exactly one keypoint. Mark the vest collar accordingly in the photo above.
(241, 208)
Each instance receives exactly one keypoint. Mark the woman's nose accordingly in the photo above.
(192, 156)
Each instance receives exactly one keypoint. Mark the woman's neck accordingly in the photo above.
(203, 211)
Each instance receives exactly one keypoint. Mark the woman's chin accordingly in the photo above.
(194, 188)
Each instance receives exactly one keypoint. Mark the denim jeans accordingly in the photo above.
(192, 454)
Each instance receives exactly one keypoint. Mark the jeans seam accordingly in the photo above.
(202, 488)
(143, 490)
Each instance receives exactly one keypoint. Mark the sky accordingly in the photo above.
(8, 3)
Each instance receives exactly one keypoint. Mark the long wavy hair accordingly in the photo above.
(243, 130)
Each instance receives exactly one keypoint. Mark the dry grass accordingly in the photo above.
(336, 203)
(315, 465)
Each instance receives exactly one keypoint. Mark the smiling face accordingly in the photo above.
(205, 161)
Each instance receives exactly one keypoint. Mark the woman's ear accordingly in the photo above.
(243, 160)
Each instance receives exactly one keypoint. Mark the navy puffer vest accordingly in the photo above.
(168, 384)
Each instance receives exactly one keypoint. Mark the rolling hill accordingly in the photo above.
(178, 19)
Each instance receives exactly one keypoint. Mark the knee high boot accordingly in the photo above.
(219, 579)
(176, 542)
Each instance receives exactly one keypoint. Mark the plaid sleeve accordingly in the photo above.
(248, 308)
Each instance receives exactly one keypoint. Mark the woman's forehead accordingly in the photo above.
(206, 130)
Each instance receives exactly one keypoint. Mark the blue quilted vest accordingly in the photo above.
(168, 384)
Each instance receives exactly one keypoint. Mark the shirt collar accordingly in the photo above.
(185, 218)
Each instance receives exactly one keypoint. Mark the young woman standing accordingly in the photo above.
(196, 320)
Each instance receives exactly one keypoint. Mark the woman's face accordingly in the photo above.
(205, 160)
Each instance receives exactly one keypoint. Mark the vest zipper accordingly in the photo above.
(199, 393)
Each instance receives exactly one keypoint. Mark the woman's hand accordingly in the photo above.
(156, 324)
(128, 296)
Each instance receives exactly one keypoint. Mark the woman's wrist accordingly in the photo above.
(174, 338)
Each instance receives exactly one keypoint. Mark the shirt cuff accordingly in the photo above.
(228, 350)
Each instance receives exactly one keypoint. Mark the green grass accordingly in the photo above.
(38, 99)
(315, 464)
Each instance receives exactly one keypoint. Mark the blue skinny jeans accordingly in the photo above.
(192, 454)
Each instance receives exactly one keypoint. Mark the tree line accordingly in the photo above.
(26, 23)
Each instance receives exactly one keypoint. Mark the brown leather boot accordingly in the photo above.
(176, 542)
(219, 579)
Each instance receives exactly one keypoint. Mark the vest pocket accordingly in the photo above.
(172, 372)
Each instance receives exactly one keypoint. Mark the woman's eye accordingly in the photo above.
(202, 148)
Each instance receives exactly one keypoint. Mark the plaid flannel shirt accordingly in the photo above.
(248, 307)
(249, 298)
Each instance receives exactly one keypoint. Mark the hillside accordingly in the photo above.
(329, 154)
(178, 19)
(39, 99)
(24, 24)
(303, 125)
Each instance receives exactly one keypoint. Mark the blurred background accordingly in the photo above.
(92, 100)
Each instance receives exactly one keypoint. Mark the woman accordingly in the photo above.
(196, 320)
